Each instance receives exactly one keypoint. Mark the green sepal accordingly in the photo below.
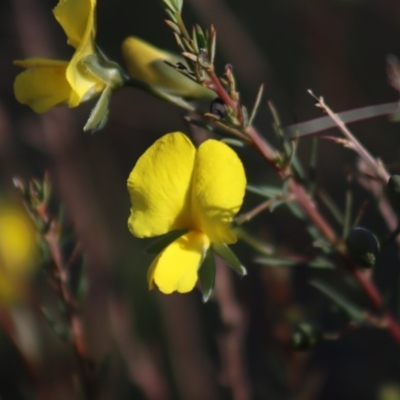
(104, 69)
(207, 274)
(227, 254)
(99, 115)
(164, 241)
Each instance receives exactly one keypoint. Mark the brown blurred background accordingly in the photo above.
(237, 345)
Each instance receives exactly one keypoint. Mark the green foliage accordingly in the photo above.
(227, 254)
(318, 262)
(207, 274)
(354, 312)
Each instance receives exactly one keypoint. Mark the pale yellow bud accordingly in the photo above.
(146, 63)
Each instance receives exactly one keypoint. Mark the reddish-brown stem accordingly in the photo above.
(309, 207)
(319, 221)
(255, 211)
(223, 95)
(86, 373)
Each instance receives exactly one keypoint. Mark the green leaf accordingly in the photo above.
(275, 204)
(174, 5)
(212, 43)
(256, 104)
(165, 240)
(233, 142)
(222, 129)
(171, 14)
(318, 262)
(352, 310)
(265, 191)
(173, 26)
(227, 254)
(99, 115)
(207, 273)
(202, 41)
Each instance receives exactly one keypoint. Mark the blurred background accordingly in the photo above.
(237, 346)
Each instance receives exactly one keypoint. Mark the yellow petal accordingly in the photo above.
(159, 187)
(43, 85)
(74, 17)
(84, 84)
(218, 189)
(175, 269)
(146, 63)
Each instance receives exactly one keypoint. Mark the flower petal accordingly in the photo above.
(175, 269)
(146, 63)
(218, 189)
(159, 187)
(74, 16)
(77, 17)
(43, 85)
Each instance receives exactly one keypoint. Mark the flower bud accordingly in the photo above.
(393, 192)
(146, 63)
(306, 335)
(363, 247)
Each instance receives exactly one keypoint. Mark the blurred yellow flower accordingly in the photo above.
(174, 186)
(18, 251)
(47, 83)
(146, 63)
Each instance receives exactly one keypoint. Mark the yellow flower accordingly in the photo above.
(18, 252)
(146, 63)
(47, 83)
(174, 186)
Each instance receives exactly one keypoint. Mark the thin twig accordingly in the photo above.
(372, 163)
(85, 365)
(308, 206)
(257, 210)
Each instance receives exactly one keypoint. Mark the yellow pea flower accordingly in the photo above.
(146, 63)
(174, 186)
(18, 252)
(47, 83)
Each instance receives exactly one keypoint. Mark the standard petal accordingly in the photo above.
(218, 189)
(75, 17)
(159, 187)
(175, 269)
(43, 85)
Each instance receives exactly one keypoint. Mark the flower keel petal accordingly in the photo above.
(175, 269)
